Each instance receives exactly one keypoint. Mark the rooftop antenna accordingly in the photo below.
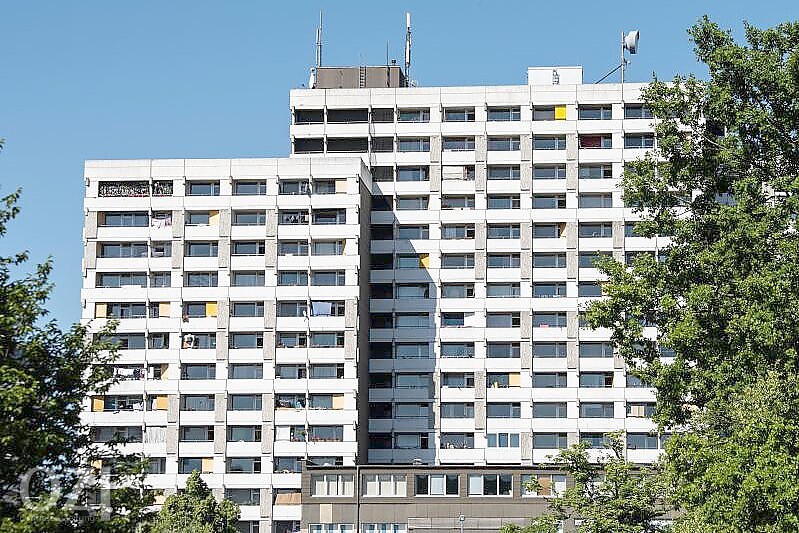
(319, 42)
(407, 48)
(629, 42)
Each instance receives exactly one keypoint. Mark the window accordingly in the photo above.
(457, 290)
(457, 231)
(383, 115)
(634, 111)
(503, 350)
(309, 116)
(454, 320)
(549, 409)
(412, 350)
(243, 465)
(596, 379)
(595, 172)
(160, 279)
(292, 248)
(503, 261)
(549, 380)
(503, 410)
(503, 320)
(642, 441)
(549, 290)
(549, 142)
(327, 248)
(413, 232)
(124, 188)
(548, 484)
(124, 220)
(128, 341)
(596, 349)
(197, 371)
(436, 485)
(187, 465)
(589, 259)
(549, 260)
(550, 441)
(197, 433)
(200, 279)
(202, 249)
(548, 231)
(595, 200)
(413, 115)
(284, 465)
(458, 144)
(123, 434)
(125, 310)
(549, 172)
(503, 290)
(294, 187)
(413, 173)
(629, 230)
(244, 402)
(249, 218)
(245, 371)
(196, 402)
(457, 441)
(290, 372)
(640, 409)
(411, 203)
(309, 145)
(504, 114)
(595, 112)
(158, 341)
(291, 339)
(123, 249)
(596, 409)
(549, 349)
(549, 201)
(292, 309)
(549, 320)
(503, 202)
(457, 380)
(503, 231)
(244, 496)
(156, 465)
(457, 261)
(544, 113)
(456, 114)
(457, 410)
(504, 173)
(348, 144)
(457, 349)
(202, 188)
(490, 484)
(198, 340)
(327, 371)
(292, 278)
(246, 340)
(249, 248)
(595, 229)
(413, 144)
(384, 485)
(292, 217)
(329, 216)
(327, 339)
(327, 278)
(502, 440)
(325, 433)
(413, 290)
(589, 289)
(248, 278)
(639, 140)
(503, 144)
(249, 188)
(457, 202)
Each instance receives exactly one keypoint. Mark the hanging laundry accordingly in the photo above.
(321, 308)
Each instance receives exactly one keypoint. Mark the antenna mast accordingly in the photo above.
(407, 48)
(319, 42)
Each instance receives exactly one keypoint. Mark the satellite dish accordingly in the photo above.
(631, 41)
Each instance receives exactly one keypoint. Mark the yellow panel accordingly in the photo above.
(208, 465)
(424, 260)
(515, 379)
(161, 403)
(164, 372)
(338, 401)
(98, 403)
(545, 483)
(213, 218)
(283, 499)
(100, 310)
(341, 186)
(163, 309)
(97, 464)
(210, 309)
(560, 112)
(159, 499)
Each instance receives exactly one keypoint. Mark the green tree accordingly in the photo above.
(195, 510)
(723, 182)
(611, 495)
(45, 376)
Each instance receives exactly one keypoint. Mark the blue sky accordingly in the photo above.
(112, 79)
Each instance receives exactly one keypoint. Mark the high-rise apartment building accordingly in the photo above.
(405, 288)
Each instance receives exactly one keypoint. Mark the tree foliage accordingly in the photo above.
(723, 182)
(611, 495)
(195, 510)
(45, 375)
